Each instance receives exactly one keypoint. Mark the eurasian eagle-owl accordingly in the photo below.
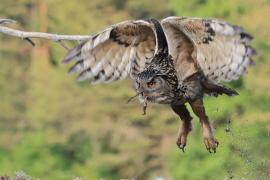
(175, 61)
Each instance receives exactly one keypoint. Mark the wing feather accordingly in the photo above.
(219, 49)
(118, 51)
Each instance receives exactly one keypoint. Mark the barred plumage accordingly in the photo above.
(111, 55)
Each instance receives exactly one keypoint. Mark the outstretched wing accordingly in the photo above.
(220, 50)
(113, 54)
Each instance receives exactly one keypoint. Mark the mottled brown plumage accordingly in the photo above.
(175, 61)
(217, 48)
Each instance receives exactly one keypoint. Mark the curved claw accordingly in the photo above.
(182, 141)
(182, 147)
(211, 144)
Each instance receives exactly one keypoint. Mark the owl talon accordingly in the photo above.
(181, 142)
(182, 147)
(211, 144)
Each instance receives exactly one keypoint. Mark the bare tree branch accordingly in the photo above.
(29, 35)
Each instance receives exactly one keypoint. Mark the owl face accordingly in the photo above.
(154, 87)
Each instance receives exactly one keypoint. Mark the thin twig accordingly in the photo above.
(28, 35)
(62, 43)
(131, 98)
(30, 41)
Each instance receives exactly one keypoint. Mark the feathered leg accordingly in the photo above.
(209, 140)
(186, 127)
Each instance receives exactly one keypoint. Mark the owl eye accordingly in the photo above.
(151, 83)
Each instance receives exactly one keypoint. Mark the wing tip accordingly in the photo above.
(250, 51)
(244, 35)
(80, 78)
(252, 63)
(71, 70)
(72, 53)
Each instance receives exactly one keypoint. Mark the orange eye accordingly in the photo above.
(151, 83)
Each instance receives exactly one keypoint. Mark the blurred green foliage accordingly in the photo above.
(54, 128)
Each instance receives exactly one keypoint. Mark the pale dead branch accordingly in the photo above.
(28, 36)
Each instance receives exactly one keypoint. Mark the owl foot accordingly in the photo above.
(186, 126)
(211, 144)
(182, 141)
(182, 138)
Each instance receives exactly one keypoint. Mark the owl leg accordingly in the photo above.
(186, 127)
(209, 140)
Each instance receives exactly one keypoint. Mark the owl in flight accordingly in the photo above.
(174, 61)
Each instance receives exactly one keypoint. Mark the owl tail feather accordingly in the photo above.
(215, 89)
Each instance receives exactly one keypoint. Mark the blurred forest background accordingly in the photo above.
(52, 127)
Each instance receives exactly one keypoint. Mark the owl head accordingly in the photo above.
(158, 82)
